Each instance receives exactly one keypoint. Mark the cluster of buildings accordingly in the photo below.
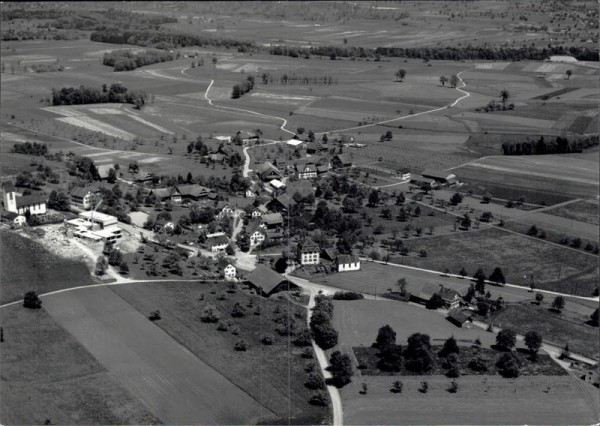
(17, 206)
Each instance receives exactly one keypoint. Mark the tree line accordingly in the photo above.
(28, 148)
(116, 93)
(242, 88)
(286, 79)
(560, 145)
(125, 60)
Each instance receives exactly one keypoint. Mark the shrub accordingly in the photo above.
(453, 388)
(210, 314)
(154, 315)
(508, 364)
(319, 399)
(222, 326)
(397, 387)
(238, 311)
(31, 300)
(235, 330)
(240, 345)
(314, 381)
(303, 339)
(267, 340)
(340, 368)
(506, 339)
(424, 387)
(307, 353)
(453, 373)
(478, 363)
(450, 347)
(347, 295)
(391, 358)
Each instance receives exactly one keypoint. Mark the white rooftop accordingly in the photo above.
(294, 142)
(98, 217)
(276, 183)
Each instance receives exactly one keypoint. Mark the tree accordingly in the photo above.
(480, 281)
(31, 300)
(450, 347)
(504, 95)
(340, 368)
(453, 80)
(497, 276)
(463, 272)
(402, 283)
(533, 341)
(374, 198)
(397, 387)
(435, 302)
(314, 381)
(443, 80)
(115, 257)
(112, 176)
(238, 311)
(241, 346)
(533, 231)
(124, 268)
(210, 314)
(319, 399)
(386, 336)
(506, 339)
(100, 266)
(58, 201)
(400, 74)
(539, 298)
(456, 199)
(453, 388)
(230, 249)
(569, 74)
(509, 365)
(558, 304)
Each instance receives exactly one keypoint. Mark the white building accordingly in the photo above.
(309, 252)
(347, 262)
(404, 174)
(102, 219)
(35, 204)
(228, 269)
(84, 198)
(218, 243)
(307, 171)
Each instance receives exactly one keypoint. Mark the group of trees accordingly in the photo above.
(320, 323)
(560, 145)
(292, 79)
(116, 93)
(58, 201)
(125, 60)
(242, 88)
(28, 148)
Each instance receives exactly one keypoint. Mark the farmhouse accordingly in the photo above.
(439, 176)
(450, 297)
(423, 183)
(227, 268)
(315, 147)
(404, 173)
(259, 211)
(103, 170)
(306, 171)
(14, 219)
(460, 318)
(347, 262)
(272, 220)
(267, 172)
(226, 211)
(256, 234)
(268, 282)
(280, 204)
(341, 160)
(308, 252)
(84, 198)
(35, 204)
(217, 243)
(253, 191)
(189, 192)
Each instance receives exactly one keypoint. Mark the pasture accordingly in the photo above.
(581, 211)
(26, 265)
(172, 383)
(554, 267)
(262, 370)
(48, 375)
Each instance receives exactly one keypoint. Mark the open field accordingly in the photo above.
(48, 374)
(479, 400)
(26, 266)
(558, 329)
(581, 211)
(262, 370)
(555, 268)
(172, 383)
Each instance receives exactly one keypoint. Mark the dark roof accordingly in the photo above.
(254, 226)
(322, 169)
(265, 278)
(8, 186)
(162, 192)
(267, 168)
(10, 215)
(29, 200)
(271, 218)
(343, 158)
(448, 293)
(218, 240)
(459, 316)
(82, 192)
(404, 170)
(224, 262)
(330, 253)
(309, 245)
(344, 259)
(437, 174)
(283, 199)
(192, 190)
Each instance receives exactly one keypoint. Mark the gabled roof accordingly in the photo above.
(343, 158)
(330, 253)
(162, 192)
(267, 168)
(309, 245)
(217, 241)
(437, 174)
(271, 218)
(404, 170)
(448, 293)
(82, 192)
(283, 199)
(322, 169)
(29, 200)
(192, 190)
(345, 259)
(224, 262)
(427, 291)
(10, 215)
(265, 278)
(8, 186)
(459, 316)
(306, 168)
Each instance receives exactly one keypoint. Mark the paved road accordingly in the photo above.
(175, 385)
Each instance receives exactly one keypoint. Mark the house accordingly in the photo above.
(404, 173)
(259, 211)
(35, 204)
(189, 192)
(272, 220)
(460, 318)
(267, 172)
(280, 204)
(347, 262)
(427, 291)
(450, 297)
(225, 211)
(322, 169)
(423, 183)
(341, 160)
(277, 184)
(84, 198)
(217, 243)
(104, 170)
(14, 219)
(253, 191)
(308, 252)
(294, 142)
(315, 147)
(306, 171)
(268, 282)
(227, 268)
(439, 176)
(256, 234)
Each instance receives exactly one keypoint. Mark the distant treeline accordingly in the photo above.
(560, 145)
(285, 79)
(29, 148)
(171, 40)
(124, 60)
(116, 93)
(244, 87)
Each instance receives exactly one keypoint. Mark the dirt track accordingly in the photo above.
(175, 385)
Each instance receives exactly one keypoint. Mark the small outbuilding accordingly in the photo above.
(347, 262)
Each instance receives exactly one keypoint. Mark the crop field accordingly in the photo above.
(568, 227)
(555, 268)
(26, 266)
(581, 211)
(559, 329)
(262, 370)
(172, 383)
(479, 400)
(53, 377)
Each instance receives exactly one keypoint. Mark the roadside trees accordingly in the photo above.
(533, 341)
(497, 276)
(480, 281)
(340, 368)
(558, 304)
(454, 80)
(31, 300)
(506, 339)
